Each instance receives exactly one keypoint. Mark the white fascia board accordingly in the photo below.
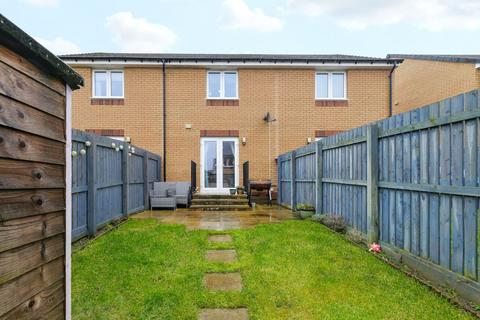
(116, 64)
(477, 66)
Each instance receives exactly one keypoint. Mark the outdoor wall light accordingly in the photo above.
(309, 140)
(83, 152)
(74, 153)
(88, 143)
(244, 140)
(113, 144)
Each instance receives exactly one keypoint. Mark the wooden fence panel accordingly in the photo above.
(107, 177)
(428, 171)
(136, 183)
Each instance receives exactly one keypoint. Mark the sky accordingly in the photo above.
(360, 27)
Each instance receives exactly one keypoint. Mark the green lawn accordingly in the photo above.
(293, 270)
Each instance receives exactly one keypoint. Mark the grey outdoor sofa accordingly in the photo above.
(170, 194)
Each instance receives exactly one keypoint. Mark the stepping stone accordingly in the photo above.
(221, 256)
(223, 314)
(223, 281)
(222, 238)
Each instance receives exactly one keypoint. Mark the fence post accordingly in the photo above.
(125, 175)
(92, 187)
(319, 177)
(372, 183)
(145, 180)
(279, 178)
(293, 185)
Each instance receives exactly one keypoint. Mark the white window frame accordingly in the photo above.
(222, 85)
(330, 87)
(109, 84)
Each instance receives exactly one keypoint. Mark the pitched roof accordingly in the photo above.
(464, 58)
(186, 57)
(17, 40)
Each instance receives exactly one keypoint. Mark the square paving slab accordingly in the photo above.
(222, 238)
(223, 281)
(223, 314)
(221, 256)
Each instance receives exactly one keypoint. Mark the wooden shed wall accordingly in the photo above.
(32, 191)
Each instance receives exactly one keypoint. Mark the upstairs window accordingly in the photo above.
(330, 85)
(108, 84)
(222, 85)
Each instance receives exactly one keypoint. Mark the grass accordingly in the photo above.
(293, 270)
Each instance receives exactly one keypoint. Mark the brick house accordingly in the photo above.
(204, 107)
(424, 79)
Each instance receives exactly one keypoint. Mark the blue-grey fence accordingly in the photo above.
(108, 176)
(411, 181)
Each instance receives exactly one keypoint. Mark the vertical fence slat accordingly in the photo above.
(372, 183)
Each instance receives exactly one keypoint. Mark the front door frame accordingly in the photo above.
(219, 189)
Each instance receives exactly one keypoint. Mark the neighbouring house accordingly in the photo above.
(424, 79)
(35, 202)
(221, 110)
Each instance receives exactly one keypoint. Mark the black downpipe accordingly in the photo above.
(390, 97)
(164, 79)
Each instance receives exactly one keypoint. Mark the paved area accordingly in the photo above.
(223, 281)
(223, 314)
(218, 220)
(221, 256)
(220, 238)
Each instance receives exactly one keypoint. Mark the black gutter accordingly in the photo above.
(164, 80)
(390, 93)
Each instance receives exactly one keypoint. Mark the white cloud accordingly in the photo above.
(433, 15)
(59, 45)
(237, 15)
(139, 35)
(42, 3)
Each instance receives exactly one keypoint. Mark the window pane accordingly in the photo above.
(117, 84)
(338, 84)
(230, 79)
(100, 84)
(322, 85)
(214, 84)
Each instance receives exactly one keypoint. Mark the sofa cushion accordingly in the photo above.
(171, 192)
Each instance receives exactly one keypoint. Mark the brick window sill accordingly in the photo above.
(223, 102)
(107, 101)
(331, 103)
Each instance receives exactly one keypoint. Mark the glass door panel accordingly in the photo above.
(210, 164)
(228, 150)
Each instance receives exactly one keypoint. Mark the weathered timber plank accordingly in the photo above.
(30, 284)
(23, 203)
(40, 304)
(32, 175)
(19, 116)
(18, 232)
(25, 146)
(57, 313)
(22, 88)
(18, 261)
(372, 185)
(23, 65)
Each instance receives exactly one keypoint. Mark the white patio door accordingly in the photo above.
(218, 165)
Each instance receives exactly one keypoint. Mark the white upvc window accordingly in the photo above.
(222, 85)
(330, 85)
(108, 84)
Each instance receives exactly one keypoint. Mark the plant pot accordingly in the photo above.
(233, 191)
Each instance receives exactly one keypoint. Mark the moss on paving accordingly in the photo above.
(292, 270)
